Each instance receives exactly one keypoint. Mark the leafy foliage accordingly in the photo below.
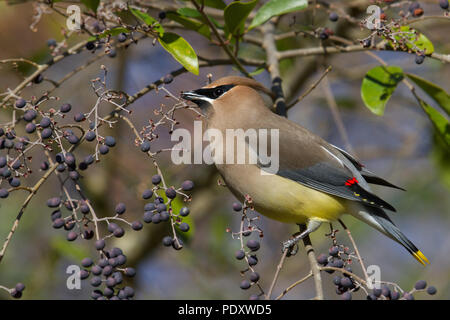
(378, 85)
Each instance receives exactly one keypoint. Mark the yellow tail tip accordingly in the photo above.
(420, 257)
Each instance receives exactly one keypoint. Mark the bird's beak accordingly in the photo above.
(191, 96)
(200, 100)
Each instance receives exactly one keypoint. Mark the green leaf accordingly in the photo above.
(378, 86)
(441, 124)
(177, 204)
(414, 39)
(91, 4)
(193, 13)
(67, 249)
(257, 71)
(111, 32)
(181, 50)
(190, 24)
(218, 4)
(152, 22)
(189, 12)
(275, 8)
(235, 15)
(435, 92)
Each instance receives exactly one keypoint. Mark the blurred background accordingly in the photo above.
(400, 146)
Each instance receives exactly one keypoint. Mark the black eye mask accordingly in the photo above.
(214, 93)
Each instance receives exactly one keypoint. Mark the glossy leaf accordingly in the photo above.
(275, 8)
(91, 4)
(415, 40)
(218, 4)
(440, 123)
(181, 50)
(235, 15)
(148, 20)
(378, 86)
(193, 13)
(435, 92)
(190, 24)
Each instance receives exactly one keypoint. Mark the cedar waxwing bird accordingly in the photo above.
(316, 181)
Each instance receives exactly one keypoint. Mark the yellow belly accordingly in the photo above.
(279, 198)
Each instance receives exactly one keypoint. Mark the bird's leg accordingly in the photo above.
(312, 226)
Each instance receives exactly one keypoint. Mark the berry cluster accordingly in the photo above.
(248, 251)
(72, 211)
(340, 259)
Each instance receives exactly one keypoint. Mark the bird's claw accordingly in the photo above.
(290, 246)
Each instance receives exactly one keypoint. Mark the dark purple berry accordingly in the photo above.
(184, 211)
(72, 235)
(237, 206)
(167, 241)
(171, 193)
(240, 254)
(333, 16)
(245, 285)
(147, 194)
(110, 141)
(156, 179)
(103, 149)
(45, 122)
(431, 290)
(79, 117)
(20, 103)
(120, 208)
(253, 245)
(65, 108)
(187, 185)
(145, 146)
(122, 37)
(90, 135)
(420, 285)
(136, 225)
(87, 262)
(184, 227)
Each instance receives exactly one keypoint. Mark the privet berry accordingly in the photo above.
(145, 146)
(156, 179)
(147, 194)
(184, 227)
(333, 16)
(171, 193)
(20, 103)
(184, 212)
(45, 122)
(110, 141)
(253, 245)
(167, 241)
(65, 108)
(122, 37)
(187, 185)
(245, 285)
(420, 285)
(120, 208)
(237, 206)
(240, 254)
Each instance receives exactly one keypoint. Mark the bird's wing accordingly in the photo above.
(369, 176)
(309, 160)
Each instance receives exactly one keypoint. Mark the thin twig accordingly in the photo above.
(313, 86)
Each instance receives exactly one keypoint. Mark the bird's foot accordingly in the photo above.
(291, 245)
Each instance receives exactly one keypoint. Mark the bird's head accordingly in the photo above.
(229, 92)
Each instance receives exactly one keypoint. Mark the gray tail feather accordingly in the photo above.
(378, 219)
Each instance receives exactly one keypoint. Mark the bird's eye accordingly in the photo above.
(218, 92)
